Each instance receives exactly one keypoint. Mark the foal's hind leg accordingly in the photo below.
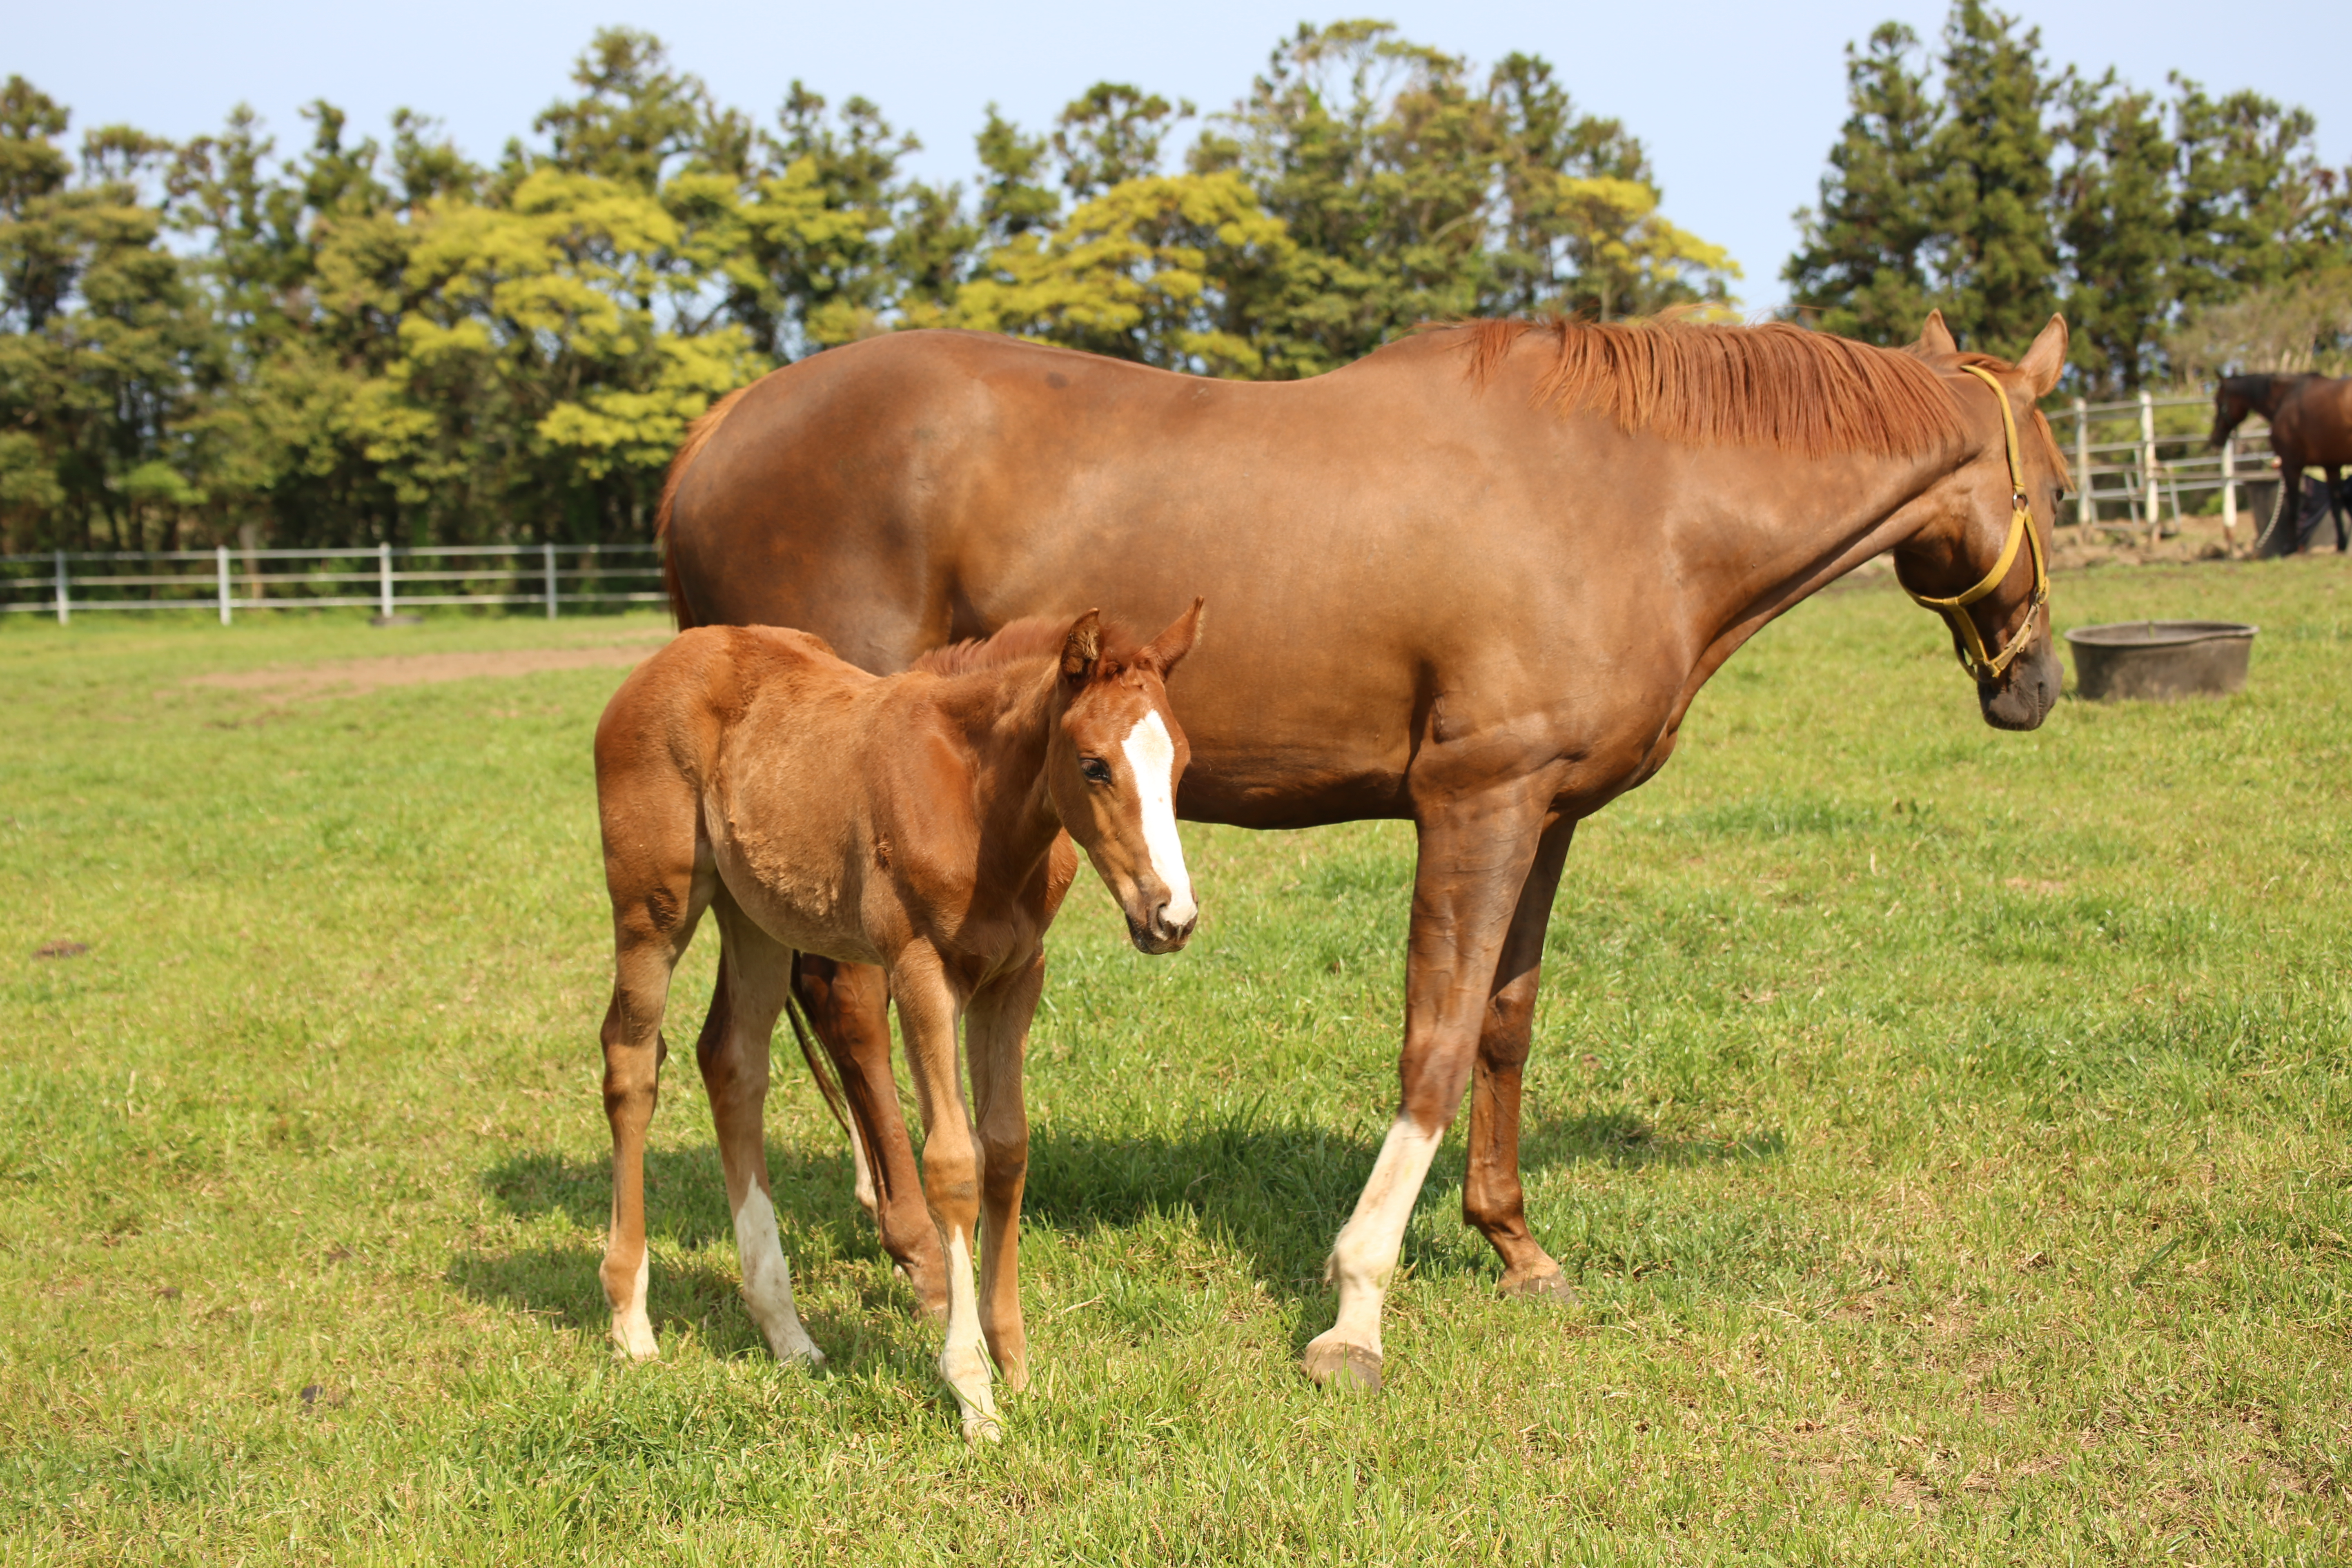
(658, 893)
(754, 971)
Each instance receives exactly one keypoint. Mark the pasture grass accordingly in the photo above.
(1946, 1130)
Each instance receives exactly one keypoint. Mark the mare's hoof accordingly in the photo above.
(1553, 1287)
(637, 1348)
(1337, 1365)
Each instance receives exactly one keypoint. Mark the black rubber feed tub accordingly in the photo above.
(2159, 660)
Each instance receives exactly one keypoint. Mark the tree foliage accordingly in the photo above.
(2175, 233)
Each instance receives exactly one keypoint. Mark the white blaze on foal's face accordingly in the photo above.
(1150, 755)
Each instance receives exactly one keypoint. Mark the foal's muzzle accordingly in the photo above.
(1168, 929)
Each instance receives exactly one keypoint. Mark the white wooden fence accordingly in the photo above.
(2128, 472)
(383, 578)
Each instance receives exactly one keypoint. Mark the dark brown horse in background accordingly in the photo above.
(1472, 581)
(2310, 427)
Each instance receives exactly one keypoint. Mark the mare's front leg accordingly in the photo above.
(2337, 504)
(1474, 857)
(927, 1015)
(848, 1007)
(1493, 1202)
(659, 888)
(996, 1036)
(754, 974)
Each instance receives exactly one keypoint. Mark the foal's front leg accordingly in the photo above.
(996, 1036)
(927, 1014)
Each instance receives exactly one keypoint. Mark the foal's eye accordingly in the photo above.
(1096, 769)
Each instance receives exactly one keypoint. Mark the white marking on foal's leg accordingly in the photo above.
(1365, 1256)
(1151, 757)
(633, 1331)
(868, 1198)
(768, 1280)
(964, 1362)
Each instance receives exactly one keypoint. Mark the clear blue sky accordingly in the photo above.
(1737, 103)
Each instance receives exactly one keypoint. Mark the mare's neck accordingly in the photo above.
(1005, 714)
(1792, 539)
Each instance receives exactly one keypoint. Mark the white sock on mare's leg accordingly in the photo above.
(768, 1280)
(1365, 1256)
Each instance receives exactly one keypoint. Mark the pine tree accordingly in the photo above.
(2116, 200)
(1862, 269)
(1996, 248)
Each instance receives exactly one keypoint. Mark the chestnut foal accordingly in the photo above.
(916, 822)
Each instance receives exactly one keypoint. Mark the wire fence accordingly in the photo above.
(388, 580)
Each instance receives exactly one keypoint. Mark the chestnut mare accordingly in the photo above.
(915, 823)
(2310, 427)
(1472, 581)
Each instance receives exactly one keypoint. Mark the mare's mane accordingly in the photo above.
(1775, 385)
(1031, 637)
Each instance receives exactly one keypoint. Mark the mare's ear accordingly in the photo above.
(2046, 360)
(1167, 650)
(1082, 647)
(1935, 338)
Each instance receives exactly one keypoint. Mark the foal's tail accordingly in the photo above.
(698, 436)
(825, 1085)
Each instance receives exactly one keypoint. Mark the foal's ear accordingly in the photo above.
(2046, 360)
(1082, 647)
(1935, 338)
(1165, 652)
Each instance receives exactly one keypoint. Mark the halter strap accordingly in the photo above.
(1974, 659)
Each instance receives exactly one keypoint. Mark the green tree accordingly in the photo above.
(2115, 200)
(1862, 268)
(1998, 253)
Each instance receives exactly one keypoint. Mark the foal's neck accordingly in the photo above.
(1005, 713)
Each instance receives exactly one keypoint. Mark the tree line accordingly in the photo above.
(2182, 234)
(381, 340)
(369, 340)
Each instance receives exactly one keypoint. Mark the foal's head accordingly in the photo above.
(1112, 768)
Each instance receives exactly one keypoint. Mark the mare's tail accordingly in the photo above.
(698, 436)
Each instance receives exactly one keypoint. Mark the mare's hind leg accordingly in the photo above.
(848, 1007)
(658, 893)
(754, 972)
(1493, 1202)
(996, 1035)
(2337, 503)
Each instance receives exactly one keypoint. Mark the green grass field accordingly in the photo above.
(1946, 1129)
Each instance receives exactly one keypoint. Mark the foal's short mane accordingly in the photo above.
(1031, 637)
(1774, 386)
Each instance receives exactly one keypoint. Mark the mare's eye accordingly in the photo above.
(1096, 769)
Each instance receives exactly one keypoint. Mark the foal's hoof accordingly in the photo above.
(1553, 1287)
(982, 1429)
(1339, 1365)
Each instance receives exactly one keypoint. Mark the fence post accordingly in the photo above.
(65, 594)
(550, 548)
(2230, 494)
(2086, 513)
(2149, 490)
(383, 580)
(220, 557)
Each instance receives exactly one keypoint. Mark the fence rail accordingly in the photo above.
(382, 577)
(2126, 468)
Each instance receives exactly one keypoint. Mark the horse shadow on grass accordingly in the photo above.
(1271, 1193)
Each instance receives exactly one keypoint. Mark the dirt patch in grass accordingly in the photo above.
(351, 677)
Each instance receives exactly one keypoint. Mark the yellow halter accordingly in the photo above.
(1976, 661)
